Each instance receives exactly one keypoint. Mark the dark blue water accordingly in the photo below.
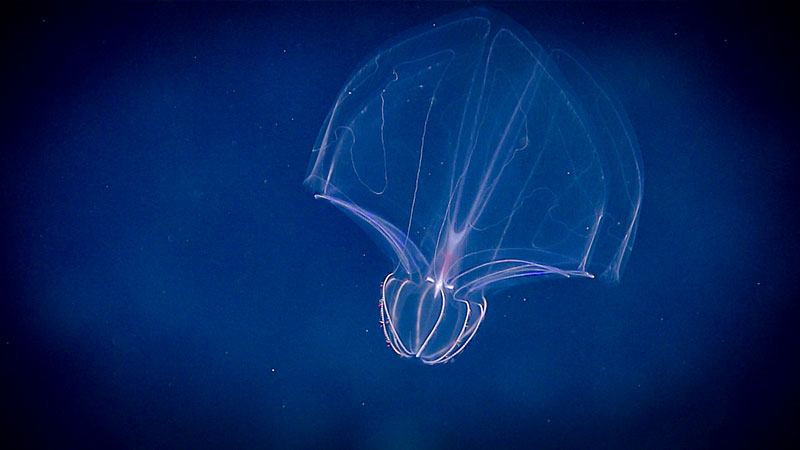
(168, 281)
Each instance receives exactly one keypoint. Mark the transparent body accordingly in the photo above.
(477, 159)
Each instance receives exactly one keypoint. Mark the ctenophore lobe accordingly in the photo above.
(477, 159)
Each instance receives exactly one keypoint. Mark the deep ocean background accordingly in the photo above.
(167, 281)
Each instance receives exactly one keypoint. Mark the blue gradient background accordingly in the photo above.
(168, 282)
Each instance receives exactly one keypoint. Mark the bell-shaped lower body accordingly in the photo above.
(424, 320)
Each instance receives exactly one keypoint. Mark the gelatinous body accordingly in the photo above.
(477, 159)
